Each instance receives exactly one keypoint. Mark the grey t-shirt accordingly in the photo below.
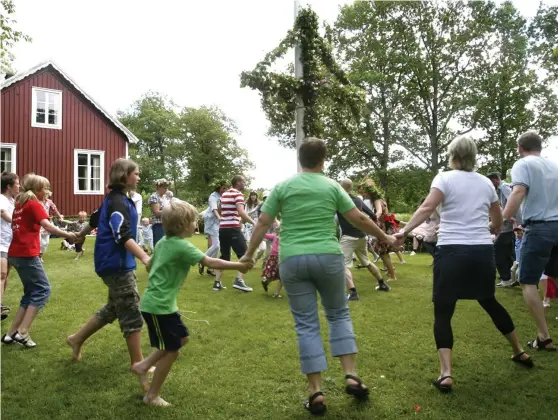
(540, 176)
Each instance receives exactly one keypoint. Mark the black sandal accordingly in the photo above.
(444, 389)
(358, 391)
(524, 362)
(317, 409)
(539, 344)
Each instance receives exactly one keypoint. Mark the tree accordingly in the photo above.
(443, 41)
(191, 147)
(211, 151)
(369, 43)
(544, 37)
(155, 122)
(511, 97)
(8, 35)
(332, 104)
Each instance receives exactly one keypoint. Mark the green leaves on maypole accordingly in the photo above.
(331, 103)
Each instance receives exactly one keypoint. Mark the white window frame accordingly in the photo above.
(34, 122)
(12, 146)
(77, 152)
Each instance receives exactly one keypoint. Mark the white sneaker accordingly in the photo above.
(413, 254)
(25, 341)
(505, 283)
(546, 303)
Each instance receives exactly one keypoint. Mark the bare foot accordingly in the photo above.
(76, 348)
(157, 401)
(151, 369)
(142, 375)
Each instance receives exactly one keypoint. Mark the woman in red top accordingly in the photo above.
(28, 218)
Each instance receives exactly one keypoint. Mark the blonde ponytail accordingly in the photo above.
(30, 185)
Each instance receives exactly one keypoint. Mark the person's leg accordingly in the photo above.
(158, 232)
(17, 321)
(225, 247)
(503, 249)
(39, 292)
(301, 292)
(535, 256)
(416, 245)
(400, 256)
(95, 323)
(386, 259)
(4, 270)
(348, 247)
(502, 320)
(238, 244)
(328, 274)
(443, 335)
(542, 288)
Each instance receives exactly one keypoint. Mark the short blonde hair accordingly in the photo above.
(119, 172)
(30, 185)
(462, 152)
(177, 216)
(143, 219)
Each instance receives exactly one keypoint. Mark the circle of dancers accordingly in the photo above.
(308, 231)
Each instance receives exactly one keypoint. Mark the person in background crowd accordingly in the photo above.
(50, 207)
(211, 221)
(157, 201)
(10, 189)
(535, 189)
(138, 202)
(504, 244)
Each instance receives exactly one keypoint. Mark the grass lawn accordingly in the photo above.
(244, 365)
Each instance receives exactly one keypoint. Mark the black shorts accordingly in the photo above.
(165, 331)
(232, 238)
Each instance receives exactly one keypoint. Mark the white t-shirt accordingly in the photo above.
(5, 227)
(138, 201)
(465, 208)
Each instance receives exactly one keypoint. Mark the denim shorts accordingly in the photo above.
(539, 252)
(36, 288)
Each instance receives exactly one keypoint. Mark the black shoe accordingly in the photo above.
(353, 296)
(200, 269)
(218, 286)
(382, 287)
(210, 272)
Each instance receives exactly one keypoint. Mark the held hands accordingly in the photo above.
(391, 240)
(72, 237)
(399, 239)
(246, 266)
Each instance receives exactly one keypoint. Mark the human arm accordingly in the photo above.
(428, 206)
(243, 215)
(379, 208)
(514, 201)
(49, 227)
(7, 217)
(264, 223)
(217, 264)
(496, 218)
(119, 221)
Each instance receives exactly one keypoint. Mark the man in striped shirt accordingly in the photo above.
(230, 234)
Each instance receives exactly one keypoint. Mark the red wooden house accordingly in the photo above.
(50, 126)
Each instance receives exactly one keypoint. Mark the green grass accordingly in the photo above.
(244, 364)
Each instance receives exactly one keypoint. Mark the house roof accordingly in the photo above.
(20, 76)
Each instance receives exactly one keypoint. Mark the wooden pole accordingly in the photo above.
(299, 103)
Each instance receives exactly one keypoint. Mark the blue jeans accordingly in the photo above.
(36, 288)
(302, 276)
(158, 232)
(539, 252)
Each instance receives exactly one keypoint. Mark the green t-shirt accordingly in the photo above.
(307, 203)
(170, 265)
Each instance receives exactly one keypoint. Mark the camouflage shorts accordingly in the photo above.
(123, 303)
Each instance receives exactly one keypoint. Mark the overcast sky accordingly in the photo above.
(191, 50)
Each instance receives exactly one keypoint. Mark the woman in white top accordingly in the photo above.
(464, 266)
(10, 188)
(211, 219)
(138, 202)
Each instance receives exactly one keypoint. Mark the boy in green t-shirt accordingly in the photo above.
(173, 256)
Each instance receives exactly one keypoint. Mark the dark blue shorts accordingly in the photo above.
(165, 331)
(539, 252)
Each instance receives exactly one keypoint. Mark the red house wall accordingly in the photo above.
(50, 152)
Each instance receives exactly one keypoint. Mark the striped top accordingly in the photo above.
(229, 214)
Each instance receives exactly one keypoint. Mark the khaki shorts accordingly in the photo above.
(350, 246)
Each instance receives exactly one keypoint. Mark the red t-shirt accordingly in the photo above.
(26, 227)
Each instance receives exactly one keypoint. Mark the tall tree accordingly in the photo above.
(9, 36)
(443, 42)
(211, 150)
(544, 37)
(511, 97)
(192, 147)
(369, 42)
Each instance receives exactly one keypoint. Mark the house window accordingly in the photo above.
(8, 157)
(89, 171)
(46, 109)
